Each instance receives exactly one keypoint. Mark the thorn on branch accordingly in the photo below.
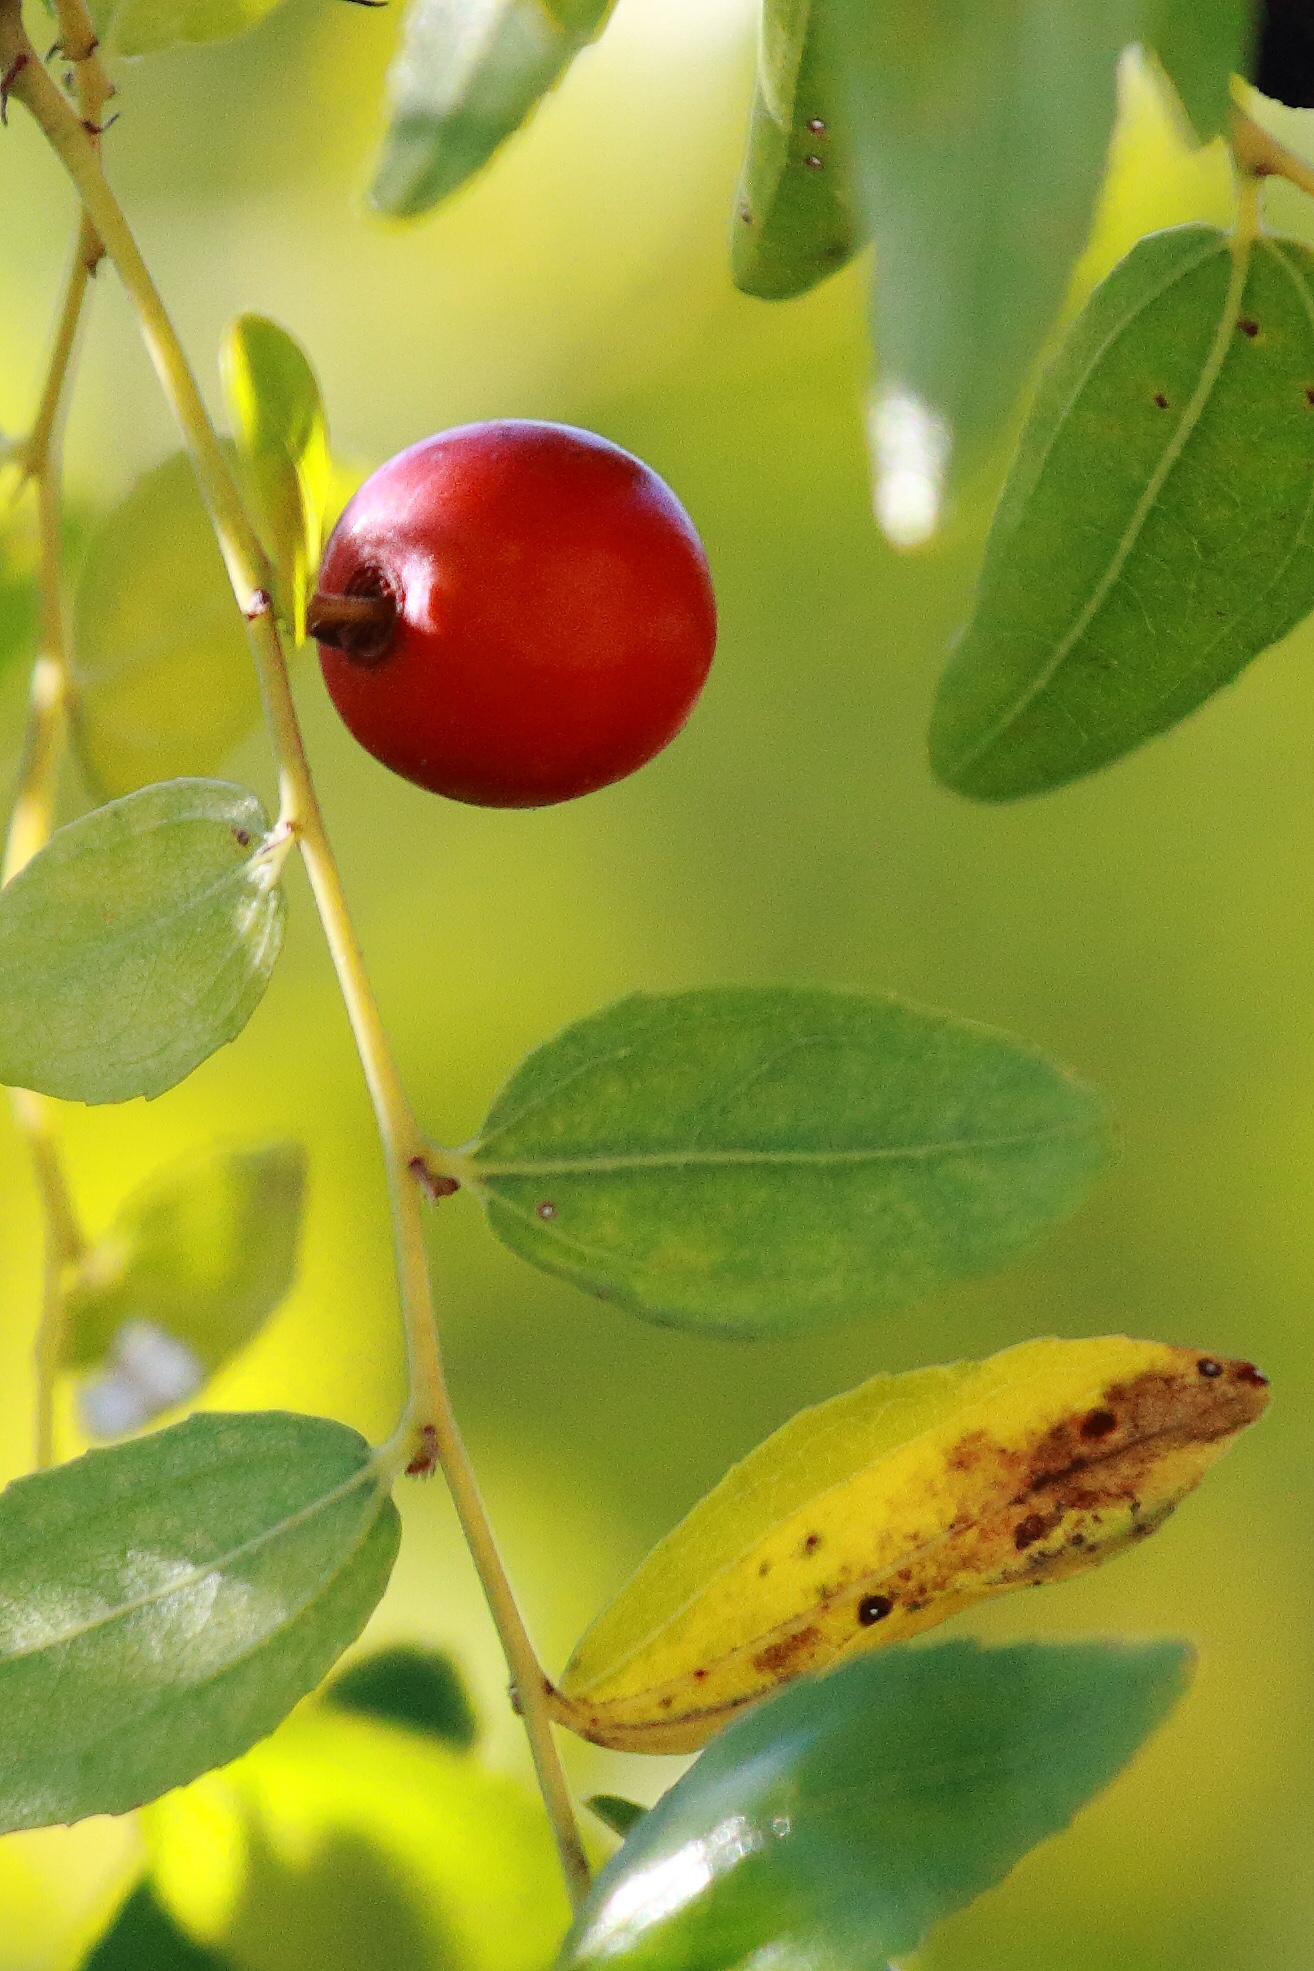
(7, 81)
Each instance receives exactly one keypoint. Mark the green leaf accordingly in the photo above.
(980, 129)
(615, 1812)
(418, 1688)
(144, 1937)
(466, 76)
(1157, 529)
(757, 1162)
(838, 1823)
(165, 683)
(282, 438)
(138, 942)
(143, 27)
(193, 1265)
(341, 1845)
(164, 1604)
(795, 215)
(1202, 44)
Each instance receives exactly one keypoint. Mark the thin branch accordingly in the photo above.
(1260, 156)
(428, 1431)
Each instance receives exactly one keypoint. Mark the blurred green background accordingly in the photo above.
(1153, 927)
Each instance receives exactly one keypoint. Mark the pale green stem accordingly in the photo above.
(428, 1430)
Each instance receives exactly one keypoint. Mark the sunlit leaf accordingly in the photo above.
(1176, 426)
(979, 134)
(467, 74)
(418, 1688)
(165, 684)
(835, 1825)
(756, 1162)
(282, 439)
(138, 942)
(795, 212)
(144, 1937)
(195, 1262)
(164, 1604)
(343, 1844)
(1202, 44)
(886, 1510)
(144, 27)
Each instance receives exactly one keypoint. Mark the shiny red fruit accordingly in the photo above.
(542, 617)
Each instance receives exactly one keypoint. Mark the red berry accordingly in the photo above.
(543, 617)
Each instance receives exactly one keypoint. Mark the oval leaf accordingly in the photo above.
(195, 1262)
(759, 1162)
(1157, 529)
(165, 1604)
(466, 76)
(795, 210)
(838, 1823)
(343, 1845)
(979, 138)
(282, 439)
(138, 942)
(164, 680)
(880, 1513)
(144, 27)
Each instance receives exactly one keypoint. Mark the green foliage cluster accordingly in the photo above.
(749, 1162)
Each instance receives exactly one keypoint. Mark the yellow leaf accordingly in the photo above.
(888, 1509)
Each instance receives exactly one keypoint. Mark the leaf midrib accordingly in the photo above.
(367, 1474)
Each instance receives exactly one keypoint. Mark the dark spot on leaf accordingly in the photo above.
(777, 1659)
(812, 1542)
(1247, 1372)
(1028, 1531)
(699, 1675)
(1098, 1423)
(667, 1703)
(764, 1570)
(745, 213)
(1209, 1368)
(1077, 1540)
(546, 1209)
(1309, 393)
(874, 1608)
(242, 837)
(1248, 326)
(813, 162)
(1161, 400)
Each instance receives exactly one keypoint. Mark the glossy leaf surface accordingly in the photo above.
(1177, 422)
(282, 439)
(164, 1604)
(343, 1844)
(756, 1162)
(138, 942)
(165, 684)
(1202, 45)
(883, 1511)
(419, 1689)
(466, 76)
(836, 1824)
(144, 27)
(979, 130)
(796, 217)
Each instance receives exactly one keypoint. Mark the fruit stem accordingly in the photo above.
(361, 626)
(428, 1419)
